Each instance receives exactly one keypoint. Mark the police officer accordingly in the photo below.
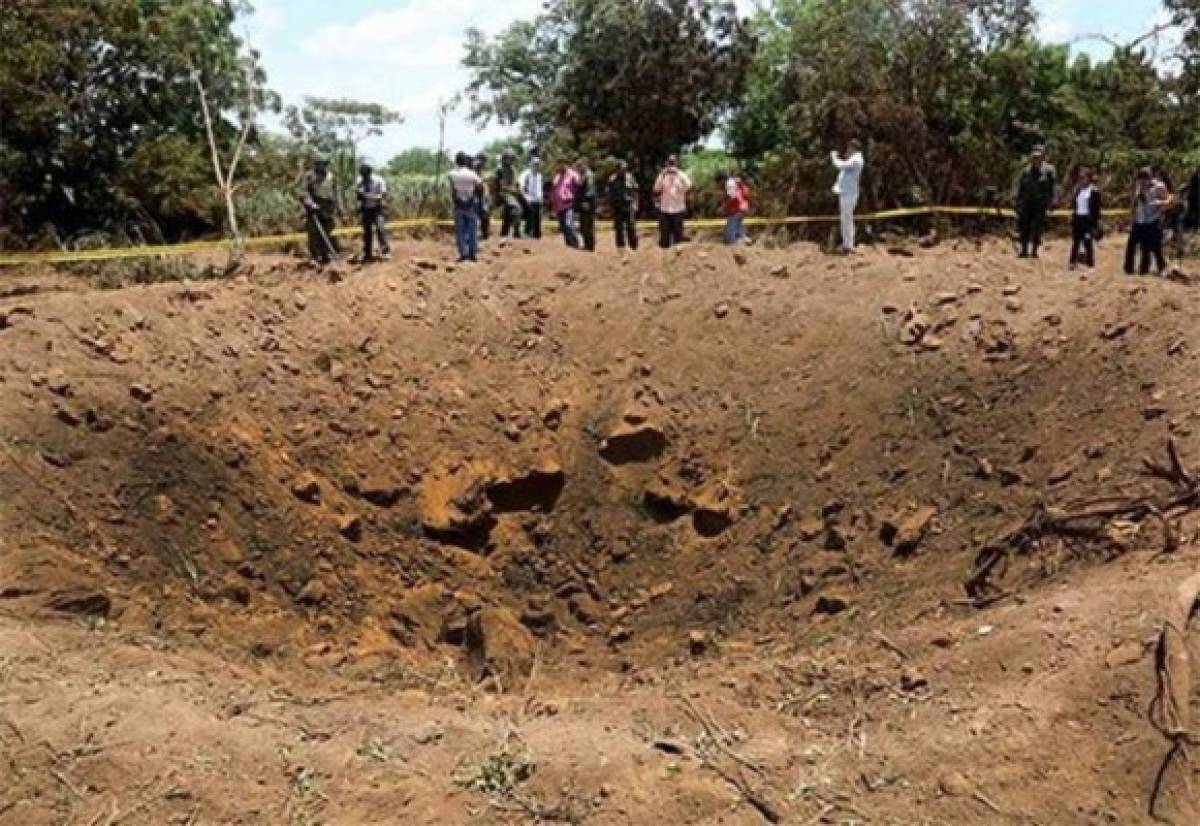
(319, 196)
(483, 204)
(623, 201)
(508, 194)
(1036, 193)
(585, 203)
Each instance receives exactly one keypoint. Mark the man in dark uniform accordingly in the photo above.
(483, 204)
(623, 201)
(508, 195)
(585, 204)
(319, 196)
(372, 207)
(1035, 195)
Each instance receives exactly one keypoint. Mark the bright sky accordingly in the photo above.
(405, 54)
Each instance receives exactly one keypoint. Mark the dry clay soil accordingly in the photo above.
(669, 538)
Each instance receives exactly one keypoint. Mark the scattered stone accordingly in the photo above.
(380, 492)
(537, 489)
(712, 510)
(1125, 654)
(915, 326)
(954, 784)
(1010, 289)
(1012, 304)
(905, 535)
(307, 488)
(499, 647)
(141, 392)
(315, 592)
(58, 384)
(1153, 411)
(782, 271)
(455, 508)
(928, 241)
(620, 634)
(698, 642)
(350, 526)
(912, 681)
(1115, 330)
(585, 609)
(1061, 473)
(831, 604)
(721, 310)
(810, 528)
(943, 299)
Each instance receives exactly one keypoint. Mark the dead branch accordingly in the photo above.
(1170, 711)
(1097, 521)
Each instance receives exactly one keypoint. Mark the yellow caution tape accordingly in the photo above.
(193, 247)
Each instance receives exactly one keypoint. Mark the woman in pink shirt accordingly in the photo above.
(562, 201)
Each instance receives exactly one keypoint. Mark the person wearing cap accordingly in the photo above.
(372, 200)
(846, 188)
(670, 195)
(533, 187)
(465, 189)
(508, 195)
(319, 197)
(1036, 193)
(1150, 198)
(623, 202)
(585, 203)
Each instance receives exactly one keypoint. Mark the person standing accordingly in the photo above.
(483, 205)
(1150, 198)
(623, 201)
(670, 194)
(1191, 193)
(508, 194)
(850, 169)
(735, 204)
(533, 188)
(372, 204)
(1085, 219)
(585, 203)
(562, 200)
(1036, 193)
(319, 196)
(466, 187)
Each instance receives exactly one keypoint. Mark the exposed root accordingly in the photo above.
(1096, 523)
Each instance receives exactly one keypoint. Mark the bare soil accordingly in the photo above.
(673, 538)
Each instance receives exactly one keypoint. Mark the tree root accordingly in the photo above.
(1095, 522)
(1170, 710)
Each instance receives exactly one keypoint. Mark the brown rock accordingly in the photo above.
(350, 526)
(713, 510)
(315, 592)
(454, 507)
(499, 647)
(307, 488)
(585, 609)
(536, 489)
(904, 535)
(1125, 654)
(698, 642)
(141, 392)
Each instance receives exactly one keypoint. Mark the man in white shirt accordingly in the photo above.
(532, 189)
(372, 193)
(465, 189)
(850, 170)
(670, 193)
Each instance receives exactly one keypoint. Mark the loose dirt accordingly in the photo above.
(675, 538)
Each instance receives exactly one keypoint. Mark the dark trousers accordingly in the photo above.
(374, 226)
(510, 218)
(626, 228)
(587, 229)
(322, 246)
(1148, 239)
(1030, 224)
(670, 229)
(483, 213)
(533, 220)
(566, 227)
(1083, 245)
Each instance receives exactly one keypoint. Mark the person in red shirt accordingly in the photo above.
(736, 205)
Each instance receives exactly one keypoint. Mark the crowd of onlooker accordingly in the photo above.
(572, 197)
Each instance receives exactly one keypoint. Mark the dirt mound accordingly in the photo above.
(714, 525)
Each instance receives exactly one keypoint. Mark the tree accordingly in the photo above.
(93, 89)
(636, 78)
(417, 161)
(336, 126)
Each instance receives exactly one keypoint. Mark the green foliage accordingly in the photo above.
(633, 78)
(95, 95)
(418, 161)
(948, 96)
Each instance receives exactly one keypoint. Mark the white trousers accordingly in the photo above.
(848, 204)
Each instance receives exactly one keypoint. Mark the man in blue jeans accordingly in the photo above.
(465, 189)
